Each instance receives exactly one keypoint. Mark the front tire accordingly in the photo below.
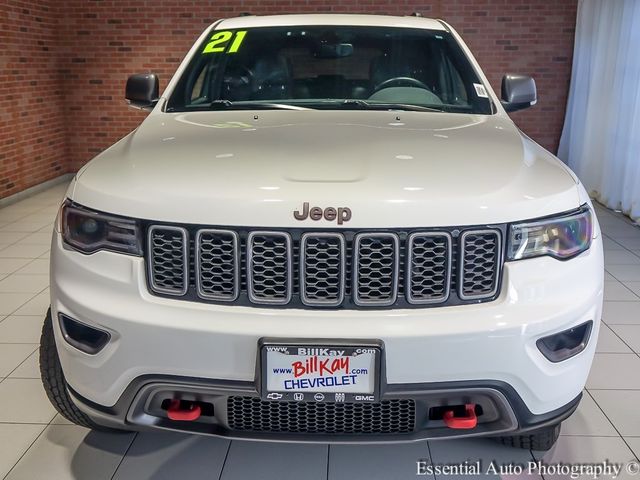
(542, 439)
(54, 382)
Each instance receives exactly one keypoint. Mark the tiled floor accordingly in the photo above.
(36, 443)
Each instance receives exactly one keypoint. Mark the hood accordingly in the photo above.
(391, 169)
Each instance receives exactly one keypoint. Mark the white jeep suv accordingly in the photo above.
(327, 229)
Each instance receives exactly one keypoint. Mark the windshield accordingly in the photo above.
(330, 67)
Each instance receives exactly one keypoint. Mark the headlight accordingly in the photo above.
(89, 231)
(559, 237)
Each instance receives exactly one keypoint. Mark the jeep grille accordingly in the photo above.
(480, 258)
(429, 266)
(321, 269)
(218, 264)
(375, 275)
(269, 260)
(168, 260)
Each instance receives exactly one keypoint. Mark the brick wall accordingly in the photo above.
(32, 121)
(99, 43)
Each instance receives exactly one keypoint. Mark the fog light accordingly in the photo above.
(564, 345)
(81, 336)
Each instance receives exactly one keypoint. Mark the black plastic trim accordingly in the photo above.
(78, 344)
(142, 90)
(514, 107)
(124, 411)
(557, 356)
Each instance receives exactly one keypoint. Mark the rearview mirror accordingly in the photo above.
(334, 50)
(518, 92)
(142, 90)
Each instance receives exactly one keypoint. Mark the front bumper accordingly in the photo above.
(503, 411)
(482, 344)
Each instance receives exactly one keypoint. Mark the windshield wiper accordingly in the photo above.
(365, 105)
(221, 104)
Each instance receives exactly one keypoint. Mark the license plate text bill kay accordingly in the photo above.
(316, 373)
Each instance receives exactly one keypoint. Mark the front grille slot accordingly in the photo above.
(375, 279)
(428, 267)
(322, 269)
(479, 263)
(347, 269)
(269, 267)
(168, 260)
(251, 414)
(217, 264)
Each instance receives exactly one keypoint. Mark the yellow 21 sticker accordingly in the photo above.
(225, 42)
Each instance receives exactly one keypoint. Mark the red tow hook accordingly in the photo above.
(467, 422)
(174, 412)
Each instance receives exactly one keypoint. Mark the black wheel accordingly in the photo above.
(54, 382)
(542, 439)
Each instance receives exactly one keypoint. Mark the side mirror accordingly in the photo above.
(518, 92)
(142, 90)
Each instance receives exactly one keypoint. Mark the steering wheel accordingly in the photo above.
(237, 76)
(400, 82)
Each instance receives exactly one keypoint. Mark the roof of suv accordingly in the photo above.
(251, 21)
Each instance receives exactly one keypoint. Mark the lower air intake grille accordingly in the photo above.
(252, 414)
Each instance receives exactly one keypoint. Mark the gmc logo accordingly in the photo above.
(364, 398)
(341, 214)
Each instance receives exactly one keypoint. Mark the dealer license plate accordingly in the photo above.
(320, 373)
